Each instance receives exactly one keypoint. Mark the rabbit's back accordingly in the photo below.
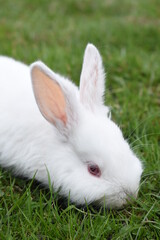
(15, 85)
(17, 103)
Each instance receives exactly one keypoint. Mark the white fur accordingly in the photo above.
(29, 143)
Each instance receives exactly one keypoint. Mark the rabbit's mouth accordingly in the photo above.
(117, 201)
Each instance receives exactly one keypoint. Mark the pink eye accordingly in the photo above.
(94, 170)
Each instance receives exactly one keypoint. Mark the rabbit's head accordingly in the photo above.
(98, 164)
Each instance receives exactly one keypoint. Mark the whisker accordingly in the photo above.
(146, 135)
(143, 145)
(150, 174)
(143, 121)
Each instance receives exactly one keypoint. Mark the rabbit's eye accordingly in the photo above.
(94, 170)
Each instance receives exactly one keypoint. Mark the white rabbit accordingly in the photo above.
(81, 147)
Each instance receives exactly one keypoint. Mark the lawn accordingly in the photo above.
(127, 33)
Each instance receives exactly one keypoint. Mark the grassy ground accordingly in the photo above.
(127, 34)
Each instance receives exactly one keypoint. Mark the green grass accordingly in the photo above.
(127, 34)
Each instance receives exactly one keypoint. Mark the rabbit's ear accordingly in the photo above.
(92, 80)
(53, 99)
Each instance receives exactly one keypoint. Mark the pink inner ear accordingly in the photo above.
(49, 97)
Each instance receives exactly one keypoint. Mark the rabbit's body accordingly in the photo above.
(28, 143)
(82, 149)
